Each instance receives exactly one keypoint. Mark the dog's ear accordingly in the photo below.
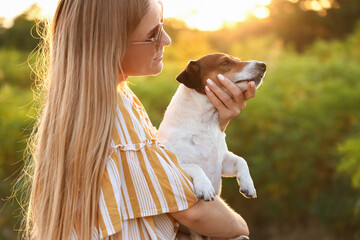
(190, 76)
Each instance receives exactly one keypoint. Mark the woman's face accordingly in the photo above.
(141, 56)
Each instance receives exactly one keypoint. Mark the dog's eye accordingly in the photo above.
(225, 63)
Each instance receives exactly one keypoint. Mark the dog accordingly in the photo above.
(190, 127)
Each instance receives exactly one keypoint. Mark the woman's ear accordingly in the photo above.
(190, 77)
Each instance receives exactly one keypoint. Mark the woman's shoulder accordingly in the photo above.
(132, 124)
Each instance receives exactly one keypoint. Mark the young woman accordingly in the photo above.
(97, 169)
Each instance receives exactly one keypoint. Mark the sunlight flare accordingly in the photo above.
(261, 12)
(212, 15)
(200, 14)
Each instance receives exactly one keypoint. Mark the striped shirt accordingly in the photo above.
(143, 181)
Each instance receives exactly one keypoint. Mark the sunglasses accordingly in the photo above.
(154, 40)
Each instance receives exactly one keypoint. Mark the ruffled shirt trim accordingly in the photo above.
(137, 146)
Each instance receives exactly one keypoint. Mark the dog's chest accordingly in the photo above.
(191, 130)
(209, 151)
(209, 145)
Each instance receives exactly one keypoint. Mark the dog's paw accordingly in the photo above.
(204, 189)
(247, 187)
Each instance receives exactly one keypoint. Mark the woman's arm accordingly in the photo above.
(214, 219)
(229, 106)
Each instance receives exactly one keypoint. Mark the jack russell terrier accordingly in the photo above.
(190, 128)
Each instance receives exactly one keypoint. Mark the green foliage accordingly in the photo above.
(14, 68)
(350, 163)
(15, 126)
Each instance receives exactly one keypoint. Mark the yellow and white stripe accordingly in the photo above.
(143, 180)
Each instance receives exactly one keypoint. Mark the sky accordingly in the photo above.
(201, 14)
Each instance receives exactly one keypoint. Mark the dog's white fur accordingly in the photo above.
(190, 129)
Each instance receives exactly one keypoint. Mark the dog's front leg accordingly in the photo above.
(202, 185)
(233, 165)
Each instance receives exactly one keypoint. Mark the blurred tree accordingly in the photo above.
(22, 35)
(302, 21)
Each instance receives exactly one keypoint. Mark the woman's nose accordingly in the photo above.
(166, 40)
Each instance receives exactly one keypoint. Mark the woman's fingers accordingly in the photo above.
(235, 91)
(220, 93)
(235, 99)
(225, 114)
(251, 91)
(214, 99)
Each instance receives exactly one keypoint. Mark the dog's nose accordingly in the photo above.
(261, 65)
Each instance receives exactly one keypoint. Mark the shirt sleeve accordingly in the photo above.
(142, 178)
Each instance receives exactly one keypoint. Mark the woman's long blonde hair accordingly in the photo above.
(70, 142)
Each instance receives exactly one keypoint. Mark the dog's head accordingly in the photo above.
(209, 66)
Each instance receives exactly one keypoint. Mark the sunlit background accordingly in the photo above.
(200, 14)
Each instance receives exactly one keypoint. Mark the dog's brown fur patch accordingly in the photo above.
(209, 66)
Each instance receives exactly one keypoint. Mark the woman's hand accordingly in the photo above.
(229, 106)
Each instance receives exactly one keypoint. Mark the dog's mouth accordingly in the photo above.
(255, 74)
(256, 80)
